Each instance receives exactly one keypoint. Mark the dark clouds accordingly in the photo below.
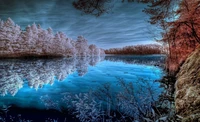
(127, 25)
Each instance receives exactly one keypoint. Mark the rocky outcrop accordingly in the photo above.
(187, 95)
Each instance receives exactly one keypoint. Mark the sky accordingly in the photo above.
(125, 25)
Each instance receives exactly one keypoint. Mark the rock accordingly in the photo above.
(187, 94)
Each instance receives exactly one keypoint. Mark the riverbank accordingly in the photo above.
(187, 94)
(183, 90)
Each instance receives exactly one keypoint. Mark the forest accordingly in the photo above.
(137, 50)
(178, 20)
(149, 88)
(35, 41)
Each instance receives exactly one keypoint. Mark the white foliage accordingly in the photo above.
(93, 50)
(82, 46)
(9, 30)
(38, 42)
(1, 23)
(50, 31)
(9, 22)
(34, 28)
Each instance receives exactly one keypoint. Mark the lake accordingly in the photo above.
(91, 88)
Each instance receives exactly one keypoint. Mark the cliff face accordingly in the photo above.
(187, 95)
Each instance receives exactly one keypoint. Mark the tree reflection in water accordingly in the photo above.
(38, 72)
(155, 60)
(123, 101)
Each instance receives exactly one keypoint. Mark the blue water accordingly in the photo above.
(25, 82)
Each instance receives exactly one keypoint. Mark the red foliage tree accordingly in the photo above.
(182, 34)
(179, 20)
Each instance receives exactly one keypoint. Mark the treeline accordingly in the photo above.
(178, 19)
(182, 34)
(35, 41)
(137, 50)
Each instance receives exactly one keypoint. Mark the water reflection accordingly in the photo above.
(38, 72)
(130, 102)
(111, 88)
(155, 60)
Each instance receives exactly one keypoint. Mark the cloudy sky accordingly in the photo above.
(125, 25)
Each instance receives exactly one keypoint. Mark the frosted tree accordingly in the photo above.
(34, 29)
(39, 27)
(102, 52)
(13, 30)
(9, 22)
(62, 42)
(43, 40)
(9, 31)
(49, 40)
(57, 44)
(70, 49)
(50, 31)
(12, 33)
(34, 33)
(37, 47)
(67, 45)
(40, 42)
(82, 46)
(28, 37)
(1, 23)
(93, 50)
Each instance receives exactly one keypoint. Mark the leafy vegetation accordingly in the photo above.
(102, 105)
(128, 104)
(137, 50)
(179, 21)
(35, 41)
